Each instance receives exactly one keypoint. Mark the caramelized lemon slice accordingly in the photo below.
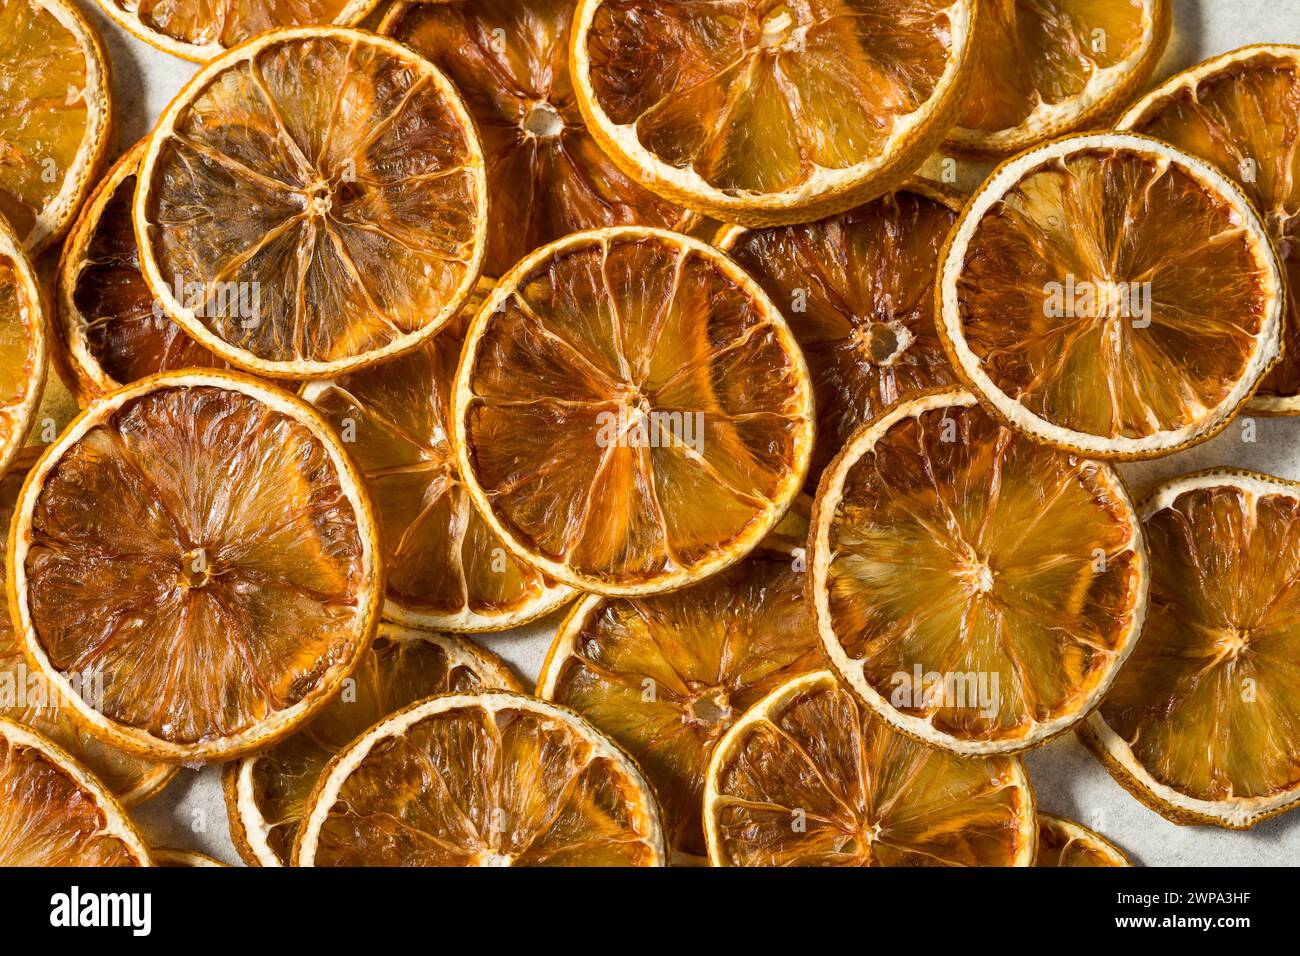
(1063, 842)
(492, 779)
(1112, 295)
(810, 778)
(978, 590)
(1201, 724)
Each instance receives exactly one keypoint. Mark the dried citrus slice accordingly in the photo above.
(770, 111)
(55, 813)
(54, 116)
(1043, 69)
(22, 345)
(311, 202)
(665, 676)
(1112, 295)
(27, 698)
(858, 292)
(546, 174)
(1203, 723)
(199, 30)
(446, 569)
(183, 858)
(198, 546)
(978, 590)
(266, 793)
(490, 779)
(808, 777)
(631, 412)
(1239, 111)
(1063, 842)
(110, 331)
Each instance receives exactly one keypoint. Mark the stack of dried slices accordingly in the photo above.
(636, 313)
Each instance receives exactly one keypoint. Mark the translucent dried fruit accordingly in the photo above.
(1111, 295)
(979, 591)
(1063, 842)
(22, 346)
(546, 174)
(491, 779)
(666, 676)
(631, 411)
(54, 813)
(54, 116)
(1240, 111)
(312, 202)
(858, 292)
(808, 777)
(197, 549)
(766, 111)
(1203, 723)
(266, 794)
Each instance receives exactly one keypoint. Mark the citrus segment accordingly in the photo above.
(546, 174)
(763, 111)
(1112, 295)
(22, 346)
(54, 813)
(1203, 723)
(198, 546)
(858, 292)
(665, 676)
(808, 777)
(266, 794)
(311, 202)
(1239, 111)
(978, 590)
(631, 411)
(491, 779)
(1063, 842)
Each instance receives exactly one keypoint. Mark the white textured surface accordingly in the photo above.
(191, 814)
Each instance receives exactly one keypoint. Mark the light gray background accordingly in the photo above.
(191, 813)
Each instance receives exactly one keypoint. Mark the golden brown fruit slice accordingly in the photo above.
(1063, 842)
(54, 116)
(631, 411)
(665, 676)
(199, 30)
(1203, 723)
(490, 779)
(1241, 111)
(546, 174)
(1047, 68)
(110, 331)
(311, 202)
(22, 346)
(53, 812)
(198, 547)
(445, 568)
(767, 111)
(1111, 295)
(858, 292)
(266, 794)
(809, 777)
(978, 590)
(183, 858)
(27, 698)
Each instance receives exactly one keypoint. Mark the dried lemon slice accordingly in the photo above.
(858, 292)
(546, 174)
(183, 858)
(665, 676)
(1043, 69)
(1112, 295)
(492, 779)
(197, 548)
(978, 590)
(765, 111)
(631, 412)
(808, 777)
(1234, 111)
(1063, 842)
(54, 116)
(312, 202)
(55, 813)
(266, 793)
(1201, 724)
(22, 346)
